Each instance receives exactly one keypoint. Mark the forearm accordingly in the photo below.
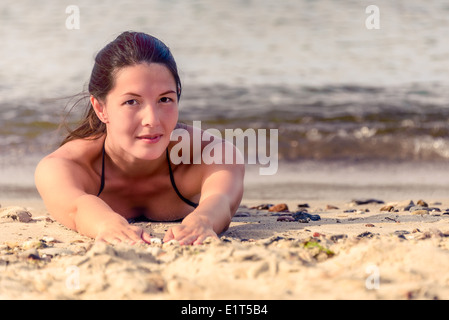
(215, 211)
(91, 214)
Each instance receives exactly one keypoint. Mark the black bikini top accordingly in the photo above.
(172, 179)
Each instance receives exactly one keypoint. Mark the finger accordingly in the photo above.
(146, 237)
(127, 237)
(169, 235)
(202, 238)
(107, 239)
(187, 240)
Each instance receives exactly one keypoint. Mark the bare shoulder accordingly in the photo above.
(79, 151)
(70, 166)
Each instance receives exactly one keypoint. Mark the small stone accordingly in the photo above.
(281, 207)
(367, 201)
(422, 203)
(387, 208)
(304, 217)
(421, 212)
(303, 205)
(285, 218)
(369, 225)
(331, 207)
(366, 235)
(338, 237)
(16, 214)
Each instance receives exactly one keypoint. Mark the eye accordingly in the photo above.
(166, 100)
(131, 102)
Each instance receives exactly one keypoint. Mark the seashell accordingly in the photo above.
(155, 241)
(33, 244)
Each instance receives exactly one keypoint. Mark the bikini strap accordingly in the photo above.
(172, 179)
(102, 171)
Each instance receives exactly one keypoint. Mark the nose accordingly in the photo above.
(150, 116)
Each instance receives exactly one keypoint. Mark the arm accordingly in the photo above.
(221, 193)
(65, 188)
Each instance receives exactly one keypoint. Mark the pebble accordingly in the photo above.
(366, 234)
(331, 207)
(338, 237)
(422, 203)
(285, 218)
(281, 207)
(367, 201)
(16, 214)
(387, 208)
(305, 217)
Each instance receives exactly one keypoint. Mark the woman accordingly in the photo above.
(115, 167)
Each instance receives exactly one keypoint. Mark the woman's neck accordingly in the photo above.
(127, 166)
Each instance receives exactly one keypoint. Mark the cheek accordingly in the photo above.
(121, 124)
(172, 117)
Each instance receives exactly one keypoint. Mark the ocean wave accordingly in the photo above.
(322, 123)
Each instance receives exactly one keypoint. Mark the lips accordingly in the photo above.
(150, 138)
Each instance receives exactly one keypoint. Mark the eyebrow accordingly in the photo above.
(138, 95)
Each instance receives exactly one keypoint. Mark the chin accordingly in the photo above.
(153, 153)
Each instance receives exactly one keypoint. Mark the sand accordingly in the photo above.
(362, 254)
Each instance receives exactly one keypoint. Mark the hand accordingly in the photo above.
(122, 231)
(191, 231)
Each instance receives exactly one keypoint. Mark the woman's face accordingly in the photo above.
(142, 110)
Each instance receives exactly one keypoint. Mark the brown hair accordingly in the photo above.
(128, 49)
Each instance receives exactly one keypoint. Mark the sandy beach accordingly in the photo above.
(338, 250)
